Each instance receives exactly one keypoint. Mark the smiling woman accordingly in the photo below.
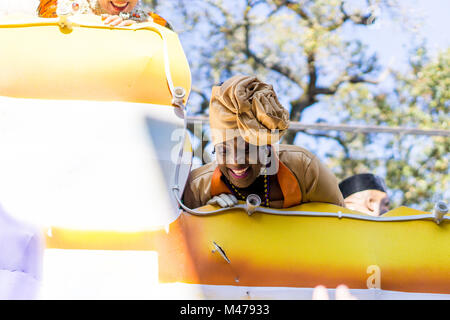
(114, 12)
(247, 121)
(117, 6)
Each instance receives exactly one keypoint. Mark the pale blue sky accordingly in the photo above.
(392, 40)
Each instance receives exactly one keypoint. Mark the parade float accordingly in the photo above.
(95, 151)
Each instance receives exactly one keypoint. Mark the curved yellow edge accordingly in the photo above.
(288, 251)
(91, 62)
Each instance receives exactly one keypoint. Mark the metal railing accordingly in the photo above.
(299, 126)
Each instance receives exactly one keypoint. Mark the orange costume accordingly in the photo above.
(47, 8)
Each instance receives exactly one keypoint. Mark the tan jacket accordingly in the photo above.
(302, 178)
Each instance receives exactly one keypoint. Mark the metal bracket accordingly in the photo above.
(440, 210)
(253, 202)
(178, 95)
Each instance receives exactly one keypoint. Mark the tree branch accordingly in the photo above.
(277, 67)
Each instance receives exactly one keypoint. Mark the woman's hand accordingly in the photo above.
(116, 21)
(224, 200)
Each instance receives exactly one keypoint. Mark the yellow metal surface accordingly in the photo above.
(40, 60)
(289, 251)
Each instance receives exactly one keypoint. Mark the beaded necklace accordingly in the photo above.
(266, 190)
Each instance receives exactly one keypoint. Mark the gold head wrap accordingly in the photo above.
(244, 106)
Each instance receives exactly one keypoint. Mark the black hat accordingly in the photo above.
(361, 182)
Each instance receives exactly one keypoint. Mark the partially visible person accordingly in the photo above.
(114, 12)
(365, 193)
(21, 255)
(246, 121)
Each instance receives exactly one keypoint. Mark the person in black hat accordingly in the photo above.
(365, 193)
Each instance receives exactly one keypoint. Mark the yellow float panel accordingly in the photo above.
(289, 251)
(90, 61)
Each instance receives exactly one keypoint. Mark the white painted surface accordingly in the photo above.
(9, 7)
(88, 165)
(99, 274)
(86, 274)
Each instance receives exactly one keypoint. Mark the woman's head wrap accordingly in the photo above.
(244, 106)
